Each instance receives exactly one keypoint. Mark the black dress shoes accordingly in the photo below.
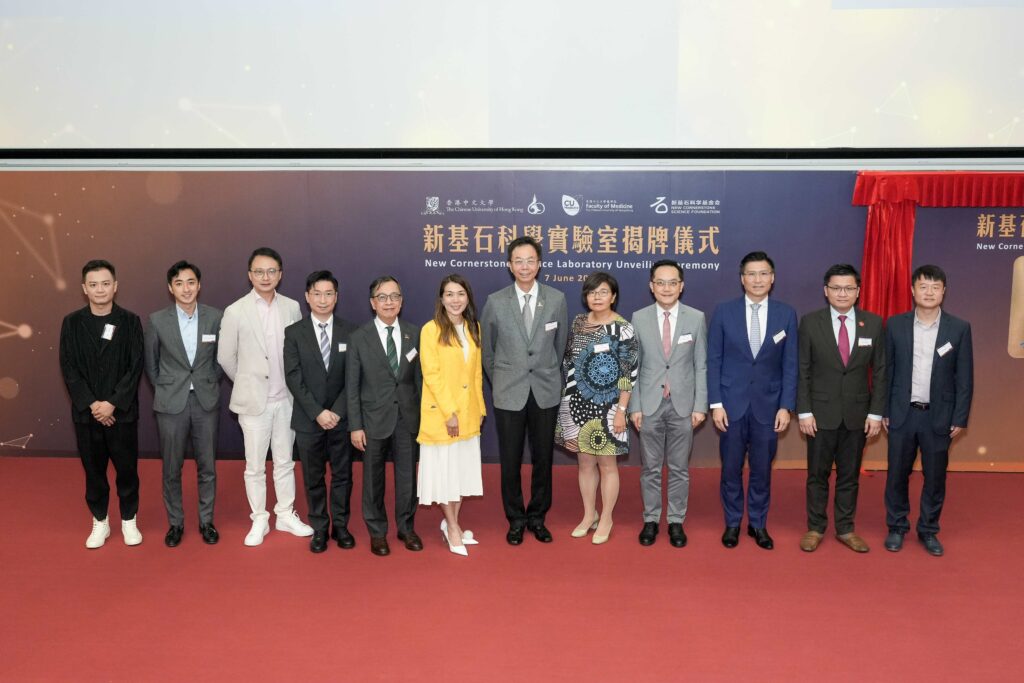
(514, 535)
(209, 533)
(648, 533)
(411, 540)
(931, 544)
(761, 537)
(318, 543)
(894, 541)
(379, 546)
(731, 537)
(173, 537)
(541, 533)
(345, 540)
(676, 535)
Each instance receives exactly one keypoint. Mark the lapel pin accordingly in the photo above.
(860, 323)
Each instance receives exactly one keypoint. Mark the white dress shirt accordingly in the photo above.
(382, 333)
(533, 298)
(925, 336)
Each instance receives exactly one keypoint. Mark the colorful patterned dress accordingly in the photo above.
(599, 362)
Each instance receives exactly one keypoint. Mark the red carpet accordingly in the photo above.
(569, 611)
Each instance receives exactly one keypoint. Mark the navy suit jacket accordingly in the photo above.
(952, 383)
(738, 380)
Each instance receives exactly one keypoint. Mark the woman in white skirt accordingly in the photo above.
(452, 409)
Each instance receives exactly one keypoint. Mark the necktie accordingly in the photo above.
(755, 329)
(392, 351)
(325, 346)
(527, 315)
(666, 346)
(844, 341)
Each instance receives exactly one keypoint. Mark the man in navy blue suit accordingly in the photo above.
(930, 363)
(752, 380)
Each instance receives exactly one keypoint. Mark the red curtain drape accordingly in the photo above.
(892, 200)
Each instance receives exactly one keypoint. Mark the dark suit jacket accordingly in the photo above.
(313, 387)
(99, 370)
(952, 383)
(741, 382)
(838, 394)
(375, 396)
(167, 363)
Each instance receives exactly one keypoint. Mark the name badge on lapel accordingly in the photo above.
(601, 348)
(779, 336)
(553, 325)
(209, 338)
(342, 348)
(108, 332)
(944, 349)
(412, 354)
(685, 338)
(863, 341)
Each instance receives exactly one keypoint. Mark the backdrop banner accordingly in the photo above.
(419, 225)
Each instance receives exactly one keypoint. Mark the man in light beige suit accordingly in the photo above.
(251, 352)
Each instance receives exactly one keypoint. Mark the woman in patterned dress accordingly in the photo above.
(598, 370)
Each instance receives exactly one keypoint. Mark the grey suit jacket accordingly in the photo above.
(314, 387)
(685, 368)
(376, 397)
(517, 364)
(167, 363)
(242, 351)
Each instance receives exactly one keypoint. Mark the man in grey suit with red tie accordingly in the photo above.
(930, 363)
(840, 401)
(181, 362)
(315, 350)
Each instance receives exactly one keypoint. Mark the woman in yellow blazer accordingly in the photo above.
(452, 409)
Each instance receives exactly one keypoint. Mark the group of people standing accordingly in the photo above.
(391, 388)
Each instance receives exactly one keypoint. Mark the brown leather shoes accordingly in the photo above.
(853, 542)
(379, 546)
(810, 541)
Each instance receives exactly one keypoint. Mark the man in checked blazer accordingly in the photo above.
(840, 401)
(384, 386)
(315, 352)
(669, 399)
(523, 334)
(181, 363)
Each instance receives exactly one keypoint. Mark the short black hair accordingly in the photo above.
(842, 269)
(375, 285)
(98, 264)
(928, 272)
(321, 276)
(595, 280)
(521, 242)
(173, 271)
(268, 252)
(756, 256)
(667, 262)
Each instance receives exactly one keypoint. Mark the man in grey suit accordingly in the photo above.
(670, 398)
(524, 329)
(384, 385)
(181, 363)
(251, 351)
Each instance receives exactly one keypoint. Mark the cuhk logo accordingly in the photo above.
(535, 208)
(570, 205)
(433, 206)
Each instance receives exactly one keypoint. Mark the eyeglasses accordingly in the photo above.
(384, 298)
(666, 283)
(323, 295)
(602, 293)
(842, 290)
(754, 275)
(262, 273)
(525, 262)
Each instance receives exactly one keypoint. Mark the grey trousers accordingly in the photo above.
(666, 438)
(175, 431)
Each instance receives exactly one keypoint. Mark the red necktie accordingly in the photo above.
(666, 346)
(844, 341)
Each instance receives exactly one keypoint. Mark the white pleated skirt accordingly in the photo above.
(449, 471)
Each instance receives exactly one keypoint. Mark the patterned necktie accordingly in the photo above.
(666, 346)
(844, 341)
(392, 350)
(755, 329)
(325, 346)
(527, 315)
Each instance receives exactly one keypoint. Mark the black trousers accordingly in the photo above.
(404, 450)
(98, 446)
(316, 450)
(845, 448)
(916, 433)
(513, 427)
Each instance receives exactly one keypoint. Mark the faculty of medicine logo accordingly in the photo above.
(535, 208)
(570, 205)
(433, 207)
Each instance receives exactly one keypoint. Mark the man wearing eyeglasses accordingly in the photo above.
(840, 401)
(251, 352)
(384, 383)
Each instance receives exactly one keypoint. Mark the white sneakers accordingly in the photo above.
(100, 534)
(291, 523)
(130, 531)
(259, 530)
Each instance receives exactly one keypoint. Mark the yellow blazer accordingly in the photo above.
(450, 385)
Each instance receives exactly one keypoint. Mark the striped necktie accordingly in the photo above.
(755, 329)
(325, 346)
(392, 350)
